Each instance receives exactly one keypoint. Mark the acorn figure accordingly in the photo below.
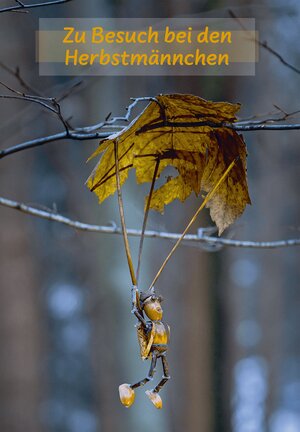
(153, 337)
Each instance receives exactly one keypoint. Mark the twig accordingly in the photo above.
(23, 6)
(113, 120)
(265, 45)
(29, 99)
(280, 58)
(69, 91)
(16, 73)
(50, 104)
(24, 95)
(102, 229)
(55, 109)
(284, 117)
(205, 201)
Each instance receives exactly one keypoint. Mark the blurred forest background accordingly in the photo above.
(66, 333)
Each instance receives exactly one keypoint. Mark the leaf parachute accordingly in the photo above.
(189, 134)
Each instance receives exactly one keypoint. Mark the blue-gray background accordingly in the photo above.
(66, 333)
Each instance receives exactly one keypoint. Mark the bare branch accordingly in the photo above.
(51, 138)
(86, 132)
(113, 229)
(73, 135)
(24, 6)
(243, 126)
(81, 133)
(247, 127)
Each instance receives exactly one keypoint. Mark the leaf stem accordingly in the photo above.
(146, 218)
(122, 217)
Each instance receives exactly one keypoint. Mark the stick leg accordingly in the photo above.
(166, 375)
(150, 373)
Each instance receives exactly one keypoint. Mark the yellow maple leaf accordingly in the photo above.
(188, 133)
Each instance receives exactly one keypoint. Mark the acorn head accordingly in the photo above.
(151, 304)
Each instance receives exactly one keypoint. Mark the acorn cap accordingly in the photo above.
(146, 294)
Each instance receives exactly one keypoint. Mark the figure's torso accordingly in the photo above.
(154, 337)
(161, 333)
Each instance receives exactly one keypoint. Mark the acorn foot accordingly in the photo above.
(155, 398)
(126, 394)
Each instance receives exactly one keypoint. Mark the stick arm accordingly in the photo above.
(135, 309)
